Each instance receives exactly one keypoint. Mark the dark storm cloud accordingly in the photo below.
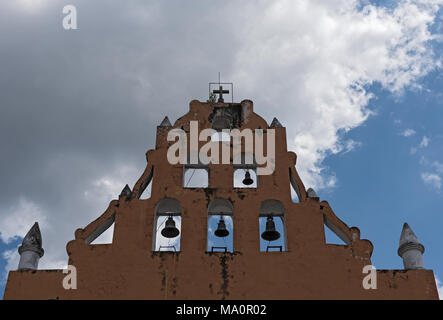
(78, 105)
(98, 90)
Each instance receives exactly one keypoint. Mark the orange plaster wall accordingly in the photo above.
(310, 269)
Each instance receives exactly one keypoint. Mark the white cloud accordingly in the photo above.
(312, 62)
(431, 179)
(350, 145)
(16, 220)
(12, 258)
(408, 133)
(424, 142)
(438, 166)
(433, 174)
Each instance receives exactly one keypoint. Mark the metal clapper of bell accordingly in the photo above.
(221, 229)
(247, 180)
(170, 230)
(270, 234)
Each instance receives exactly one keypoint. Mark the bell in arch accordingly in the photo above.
(221, 229)
(270, 234)
(170, 230)
(247, 181)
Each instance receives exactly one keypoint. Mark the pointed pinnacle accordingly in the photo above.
(407, 235)
(165, 122)
(126, 191)
(408, 242)
(275, 123)
(32, 241)
(311, 193)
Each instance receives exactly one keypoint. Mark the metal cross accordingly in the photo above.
(220, 92)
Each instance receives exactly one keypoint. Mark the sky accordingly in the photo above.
(357, 84)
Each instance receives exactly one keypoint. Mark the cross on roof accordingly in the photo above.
(220, 93)
(220, 90)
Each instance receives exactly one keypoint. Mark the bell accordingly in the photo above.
(247, 180)
(270, 234)
(170, 231)
(221, 229)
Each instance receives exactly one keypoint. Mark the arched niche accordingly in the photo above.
(195, 173)
(220, 206)
(166, 208)
(274, 210)
(220, 212)
(271, 207)
(245, 163)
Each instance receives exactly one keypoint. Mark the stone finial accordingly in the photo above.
(126, 191)
(165, 122)
(410, 249)
(31, 249)
(312, 194)
(275, 124)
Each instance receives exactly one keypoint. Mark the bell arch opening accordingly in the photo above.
(167, 225)
(272, 228)
(195, 175)
(220, 236)
(245, 171)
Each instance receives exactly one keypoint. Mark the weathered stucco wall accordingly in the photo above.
(309, 269)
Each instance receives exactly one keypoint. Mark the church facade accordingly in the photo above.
(163, 248)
